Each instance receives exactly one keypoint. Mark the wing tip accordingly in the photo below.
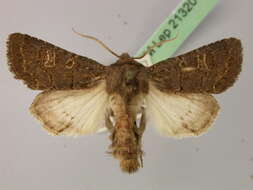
(11, 45)
(15, 58)
(234, 60)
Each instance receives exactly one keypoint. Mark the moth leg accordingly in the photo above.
(108, 122)
(142, 126)
(140, 131)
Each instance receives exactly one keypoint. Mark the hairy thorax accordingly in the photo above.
(127, 78)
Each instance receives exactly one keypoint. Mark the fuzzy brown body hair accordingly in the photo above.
(126, 85)
(126, 144)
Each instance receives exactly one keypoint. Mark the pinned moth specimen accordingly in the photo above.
(81, 96)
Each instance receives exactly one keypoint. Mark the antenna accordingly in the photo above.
(154, 46)
(97, 40)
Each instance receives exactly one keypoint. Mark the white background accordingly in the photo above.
(30, 159)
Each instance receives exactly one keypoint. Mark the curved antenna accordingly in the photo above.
(97, 40)
(154, 46)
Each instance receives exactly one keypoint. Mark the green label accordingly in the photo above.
(181, 23)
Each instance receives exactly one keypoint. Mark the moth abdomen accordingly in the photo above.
(126, 137)
(125, 145)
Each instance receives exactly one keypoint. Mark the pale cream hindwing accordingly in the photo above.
(72, 112)
(180, 114)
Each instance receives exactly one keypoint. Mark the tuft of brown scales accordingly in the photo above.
(43, 66)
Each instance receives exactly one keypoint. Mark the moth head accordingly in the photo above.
(126, 58)
(124, 55)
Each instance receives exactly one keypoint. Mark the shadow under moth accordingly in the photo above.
(81, 96)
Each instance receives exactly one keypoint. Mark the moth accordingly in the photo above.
(81, 96)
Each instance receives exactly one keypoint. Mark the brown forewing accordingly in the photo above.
(212, 69)
(42, 65)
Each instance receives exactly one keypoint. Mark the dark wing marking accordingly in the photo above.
(42, 65)
(212, 68)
